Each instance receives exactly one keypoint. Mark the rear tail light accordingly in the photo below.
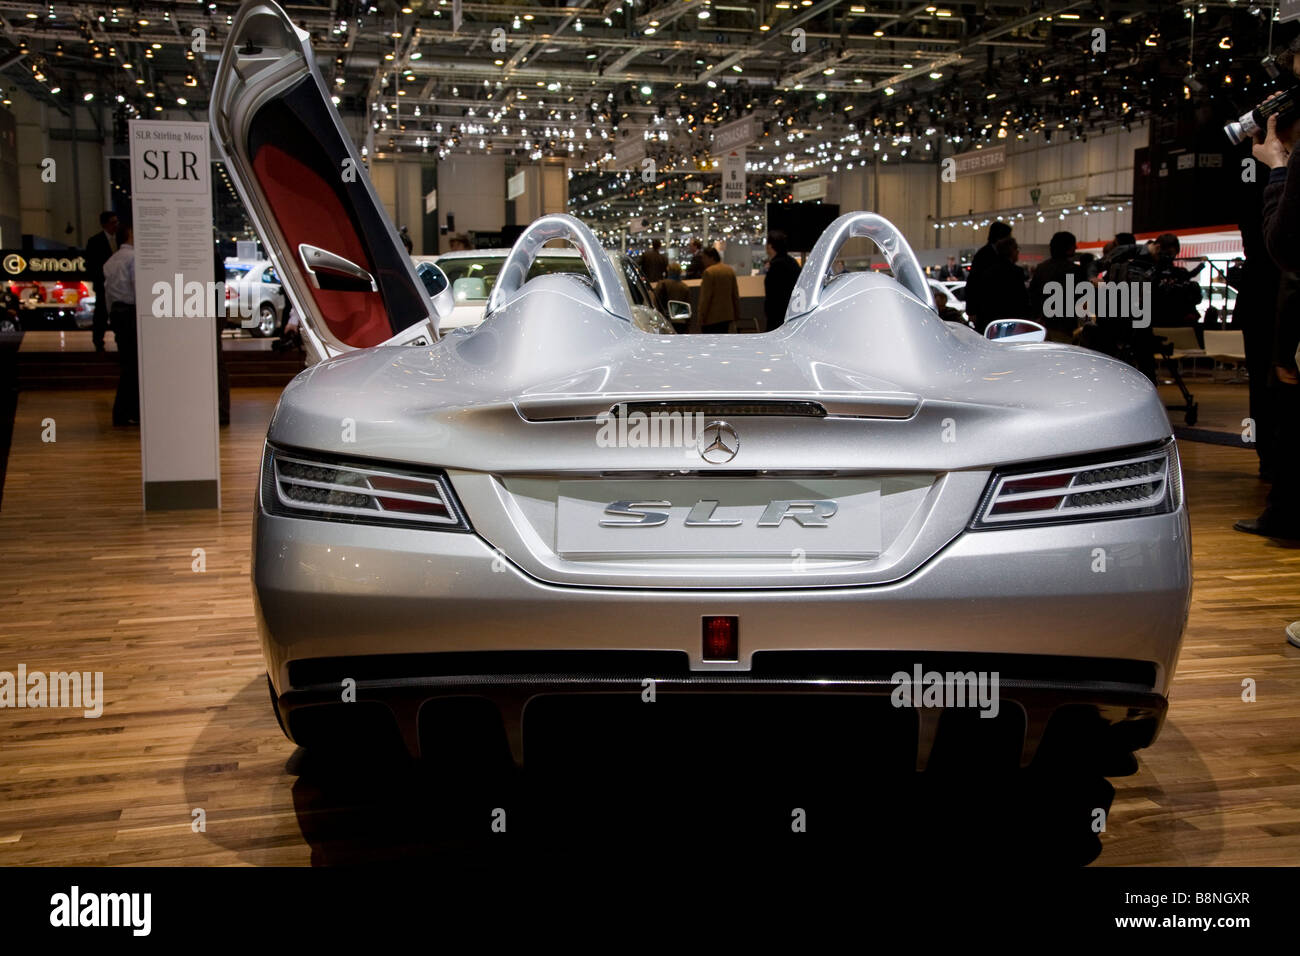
(294, 484)
(1137, 483)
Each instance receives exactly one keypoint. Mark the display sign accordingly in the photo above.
(734, 135)
(981, 161)
(430, 202)
(733, 178)
(807, 189)
(178, 301)
(1057, 200)
(40, 266)
(457, 15)
(516, 185)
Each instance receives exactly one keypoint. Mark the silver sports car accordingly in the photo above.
(866, 503)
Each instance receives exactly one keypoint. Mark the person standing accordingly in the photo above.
(654, 264)
(983, 269)
(1281, 208)
(695, 268)
(1281, 517)
(119, 288)
(719, 295)
(782, 274)
(1050, 278)
(99, 248)
(1004, 291)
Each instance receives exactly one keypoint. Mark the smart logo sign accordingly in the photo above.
(51, 267)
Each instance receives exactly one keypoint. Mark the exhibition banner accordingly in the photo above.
(178, 299)
(981, 161)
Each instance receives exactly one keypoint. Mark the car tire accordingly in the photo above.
(275, 706)
(268, 321)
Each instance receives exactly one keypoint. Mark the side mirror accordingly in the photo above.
(438, 286)
(1015, 330)
(679, 311)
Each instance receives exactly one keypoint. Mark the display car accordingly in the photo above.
(558, 505)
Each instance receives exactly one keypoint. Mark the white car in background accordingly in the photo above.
(254, 296)
(473, 273)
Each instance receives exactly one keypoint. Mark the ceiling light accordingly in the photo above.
(936, 75)
(182, 101)
(88, 97)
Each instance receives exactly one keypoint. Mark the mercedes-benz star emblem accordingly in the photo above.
(718, 443)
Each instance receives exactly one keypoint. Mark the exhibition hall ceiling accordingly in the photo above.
(604, 85)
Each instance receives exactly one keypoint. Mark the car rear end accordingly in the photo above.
(830, 556)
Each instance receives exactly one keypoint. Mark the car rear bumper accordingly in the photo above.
(1032, 720)
(1089, 614)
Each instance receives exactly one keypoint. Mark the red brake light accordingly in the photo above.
(721, 639)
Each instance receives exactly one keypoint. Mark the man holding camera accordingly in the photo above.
(1281, 230)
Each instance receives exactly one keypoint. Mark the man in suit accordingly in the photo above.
(719, 295)
(653, 262)
(695, 268)
(98, 249)
(671, 288)
(782, 274)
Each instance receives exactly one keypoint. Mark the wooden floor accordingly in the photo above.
(88, 581)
